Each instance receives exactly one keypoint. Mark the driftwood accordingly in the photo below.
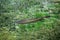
(25, 21)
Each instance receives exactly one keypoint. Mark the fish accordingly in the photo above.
(26, 21)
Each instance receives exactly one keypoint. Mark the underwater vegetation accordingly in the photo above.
(29, 20)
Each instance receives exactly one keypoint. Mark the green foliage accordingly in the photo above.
(14, 10)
